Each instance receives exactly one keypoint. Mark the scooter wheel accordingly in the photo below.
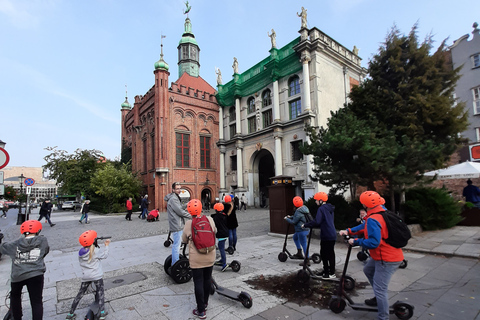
(230, 250)
(404, 264)
(403, 310)
(181, 271)
(362, 256)
(235, 265)
(90, 315)
(337, 304)
(316, 258)
(282, 256)
(167, 243)
(167, 264)
(349, 283)
(245, 299)
(303, 276)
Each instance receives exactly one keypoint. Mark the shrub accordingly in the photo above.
(432, 208)
(345, 214)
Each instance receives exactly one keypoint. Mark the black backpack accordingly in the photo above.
(398, 232)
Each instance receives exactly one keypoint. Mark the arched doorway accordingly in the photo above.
(264, 169)
(206, 199)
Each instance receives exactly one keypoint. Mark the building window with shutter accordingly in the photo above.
(182, 144)
(204, 152)
(297, 155)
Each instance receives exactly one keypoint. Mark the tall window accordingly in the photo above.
(476, 60)
(295, 108)
(204, 152)
(153, 151)
(233, 163)
(145, 152)
(232, 130)
(252, 124)
(266, 99)
(293, 86)
(182, 143)
(267, 118)
(476, 100)
(295, 148)
(231, 114)
(251, 105)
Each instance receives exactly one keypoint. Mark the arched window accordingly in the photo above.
(293, 86)
(251, 105)
(266, 99)
(231, 114)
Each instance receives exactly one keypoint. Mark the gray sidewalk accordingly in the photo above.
(442, 278)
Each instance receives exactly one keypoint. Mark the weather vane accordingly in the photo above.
(187, 10)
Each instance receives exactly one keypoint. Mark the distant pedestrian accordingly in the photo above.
(45, 211)
(153, 215)
(28, 268)
(176, 219)
(236, 202)
(220, 219)
(472, 193)
(144, 207)
(243, 202)
(4, 210)
(129, 209)
(232, 223)
(91, 271)
(85, 210)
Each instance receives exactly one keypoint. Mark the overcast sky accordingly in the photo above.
(64, 64)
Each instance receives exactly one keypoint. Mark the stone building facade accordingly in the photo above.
(172, 130)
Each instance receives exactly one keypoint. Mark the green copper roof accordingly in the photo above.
(187, 36)
(161, 65)
(281, 62)
(126, 105)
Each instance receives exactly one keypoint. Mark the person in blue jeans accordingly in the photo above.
(144, 207)
(300, 235)
(220, 219)
(176, 219)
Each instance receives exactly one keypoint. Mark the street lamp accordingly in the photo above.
(2, 144)
(20, 216)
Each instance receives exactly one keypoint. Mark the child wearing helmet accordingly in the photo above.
(220, 219)
(201, 264)
(384, 259)
(232, 222)
(298, 220)
(90, 263)
(324, 220)
(28, 267)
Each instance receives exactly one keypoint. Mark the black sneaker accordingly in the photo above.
(371, 302)
(325, 275)
(52, 224)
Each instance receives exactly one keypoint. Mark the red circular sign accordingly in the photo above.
(29, 182)
(4, 158)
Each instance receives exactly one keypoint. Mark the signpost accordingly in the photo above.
(29, 182)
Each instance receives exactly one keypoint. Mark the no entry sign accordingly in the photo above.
(4, 158)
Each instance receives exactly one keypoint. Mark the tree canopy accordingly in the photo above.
(402, 121)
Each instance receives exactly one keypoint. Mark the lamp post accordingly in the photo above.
(20, 216)
(2, 144)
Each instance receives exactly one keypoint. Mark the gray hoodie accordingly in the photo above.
(27, 256)
(176, 214)
(92, 270)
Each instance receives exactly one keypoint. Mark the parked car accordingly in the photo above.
(71, 205)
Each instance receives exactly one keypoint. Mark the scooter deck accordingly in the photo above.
(227, 293)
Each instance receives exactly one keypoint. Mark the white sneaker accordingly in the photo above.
(332, 276)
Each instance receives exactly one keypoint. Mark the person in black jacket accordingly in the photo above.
(232, 223)
(220, 219)
(84, 211)
(45, 211)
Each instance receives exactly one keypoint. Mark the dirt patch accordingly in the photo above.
(314, 293)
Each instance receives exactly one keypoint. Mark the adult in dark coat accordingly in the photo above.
(232, 222)
(45, 211)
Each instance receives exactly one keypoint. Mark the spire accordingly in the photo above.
(188, 49)
(125, 104)
(161, 64)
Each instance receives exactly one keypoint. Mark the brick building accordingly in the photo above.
(172, 130)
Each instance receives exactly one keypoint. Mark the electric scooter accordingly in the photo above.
(339, 301)
(304, 275)
(243, 297)
(169, 240)
(235, 265)
(285, 254)
(364, 254)
(180, 271)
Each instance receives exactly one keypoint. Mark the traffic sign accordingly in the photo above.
(4, 158)
(29, 190)
(1, 176)
(29, 182)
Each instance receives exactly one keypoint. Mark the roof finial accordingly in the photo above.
(161, 45)
(126, 91)
(187, 10)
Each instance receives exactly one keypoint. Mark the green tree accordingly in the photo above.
(407, 103)
(126, 155)
(115, 185)
(73, 171)
(10, 193)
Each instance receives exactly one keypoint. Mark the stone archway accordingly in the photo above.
(263, 169)
(206, 197)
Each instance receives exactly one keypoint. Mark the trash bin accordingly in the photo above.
(283, 192)
(21, 218)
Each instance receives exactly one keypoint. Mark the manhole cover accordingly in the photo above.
(123, 280)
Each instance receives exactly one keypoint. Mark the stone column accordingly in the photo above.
(309, 162)
(276, 104)
(220, 123)
(239, 165)
(306, 83)
(222, 167)
(237, 116)
(278, 135)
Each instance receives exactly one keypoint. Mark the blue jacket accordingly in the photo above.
(325, 221)
(299, 219)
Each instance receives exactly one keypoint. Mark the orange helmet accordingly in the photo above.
(218, 207)
(320, 196)
(227, 198)
(371, 199)
(382, 201)
(31, 226)
(194, 207)
(87, 238)
(297, 202)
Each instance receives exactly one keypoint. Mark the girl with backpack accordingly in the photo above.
(91, 265)
(200, 263)
(298, 220)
